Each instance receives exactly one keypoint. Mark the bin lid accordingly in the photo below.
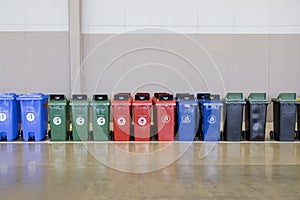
(178, 95)
(165, 100)
(32, 96)
(187, 99)
(157, 94)
(166, 97)
(142, 97)
(212, 98)
(290, 97)
(257, 97)
(202, 96)
(8, 96)
(100, 99)
(122, 96)
(79, 97)
(57, 97)
(234, 97)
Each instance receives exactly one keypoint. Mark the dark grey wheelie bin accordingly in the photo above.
(233, 113)
(284, 117)
(255, 116)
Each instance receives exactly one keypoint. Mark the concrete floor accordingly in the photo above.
(262, 170)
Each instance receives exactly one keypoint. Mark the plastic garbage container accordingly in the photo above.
(298, 119)
(164, 111)
(80, 117)
(34, 115)
(201, 98)
(101, 117)
(121, 111)
(187, 110)
(142, 105)
(284, 117)
(9, 117)
(211, 118)
(59, 122)
(255, 116)
(233, 113)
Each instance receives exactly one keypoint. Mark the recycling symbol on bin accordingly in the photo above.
(80, 121)
(101, 121)
(2, 117)
(121, 121)
(142, 121)
(165, 119)
(30, 117)
(186, 119)
(56, 121)
(212, 119)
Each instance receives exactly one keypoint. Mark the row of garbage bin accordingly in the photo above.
(181, 118)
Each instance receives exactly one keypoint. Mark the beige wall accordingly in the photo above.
(39, 61)
(248, 63)
(34, 62)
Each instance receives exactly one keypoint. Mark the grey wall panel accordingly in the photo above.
(12, 63)
(39, 61)
(248, 63)
(284, 64)
(34, 62)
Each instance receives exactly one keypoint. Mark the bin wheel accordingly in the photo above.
(221, 136)
(243, 135)
(71, 135)
(272, 135)
(21, 134)
(49, 133)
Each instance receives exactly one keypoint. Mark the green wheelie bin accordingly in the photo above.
(59, 120)
(101, 117)
(80, 117)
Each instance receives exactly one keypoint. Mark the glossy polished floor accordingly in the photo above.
(263, 170)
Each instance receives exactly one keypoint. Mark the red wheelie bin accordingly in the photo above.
(164, 105)
(142, 105)
(121, 110)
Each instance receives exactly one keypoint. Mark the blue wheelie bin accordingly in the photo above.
(34, 115)
(9, 117)
(187, 110)
(201, 98)
(211, 118)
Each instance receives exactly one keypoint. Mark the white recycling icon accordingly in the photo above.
(165, 119)
(56, 121)
(80, 121)
(142, 121)
(186, 119)
(2, 117)
(121, 121)
(30, 117)
(101, 121)
(212, 119)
